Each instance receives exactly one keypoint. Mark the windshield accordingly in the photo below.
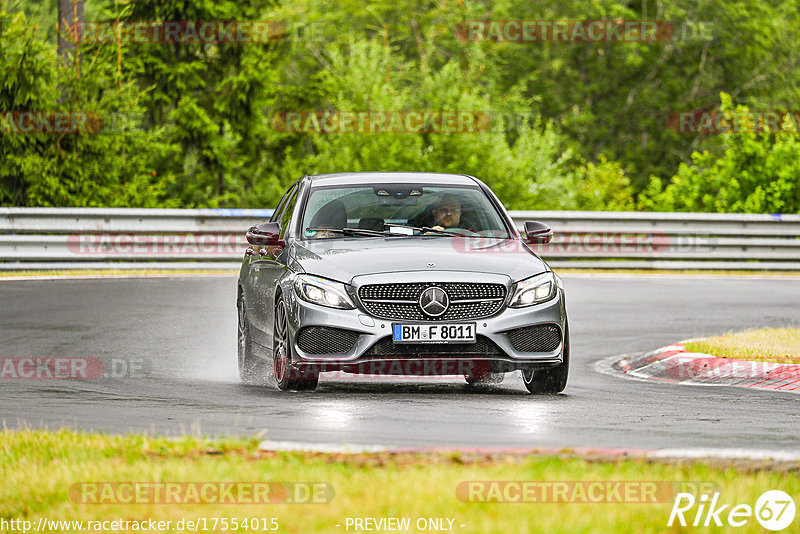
(400, 209)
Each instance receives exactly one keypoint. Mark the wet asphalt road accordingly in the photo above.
(179, 336)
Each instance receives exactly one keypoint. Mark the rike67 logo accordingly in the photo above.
(774, 510)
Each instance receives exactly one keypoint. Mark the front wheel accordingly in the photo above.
(551, 380)
(288, 377)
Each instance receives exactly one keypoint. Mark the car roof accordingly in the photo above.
(361, 178)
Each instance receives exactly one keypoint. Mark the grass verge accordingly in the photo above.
(39, 468)
(780, 345)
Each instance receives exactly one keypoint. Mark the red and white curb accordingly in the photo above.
(677, 365)
(621, 453)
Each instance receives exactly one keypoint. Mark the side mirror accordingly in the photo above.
(265, 234)
(537, 233)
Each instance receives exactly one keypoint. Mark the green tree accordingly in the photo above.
(524, 162)
(211, 98)
(604, 186)
(614, 98)
(110, 167)
(756, 173)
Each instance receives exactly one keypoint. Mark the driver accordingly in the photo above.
(447, 214)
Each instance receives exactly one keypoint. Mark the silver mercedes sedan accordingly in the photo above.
(391, 274)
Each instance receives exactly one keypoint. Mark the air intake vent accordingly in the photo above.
(326, 340)
(537, 338)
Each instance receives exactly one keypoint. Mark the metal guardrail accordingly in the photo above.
(67, 238)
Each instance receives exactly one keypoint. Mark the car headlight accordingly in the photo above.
(534, 290)
(322, 291)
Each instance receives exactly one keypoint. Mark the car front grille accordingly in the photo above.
(326, 340)
(401, 301)
(536, 338)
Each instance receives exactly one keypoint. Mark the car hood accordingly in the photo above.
(343, 259)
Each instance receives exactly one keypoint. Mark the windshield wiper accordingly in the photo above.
(365, 232)
(425, 229)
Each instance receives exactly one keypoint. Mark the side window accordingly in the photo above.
(278, 213)
(286, 216)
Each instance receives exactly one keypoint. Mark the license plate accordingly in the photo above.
(434, 333)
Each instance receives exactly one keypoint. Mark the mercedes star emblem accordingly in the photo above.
(434, 301)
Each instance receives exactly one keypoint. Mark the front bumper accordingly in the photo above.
(374, 337)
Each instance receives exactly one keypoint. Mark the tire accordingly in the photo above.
(288, 377)
(551, 380)
(252, 369)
